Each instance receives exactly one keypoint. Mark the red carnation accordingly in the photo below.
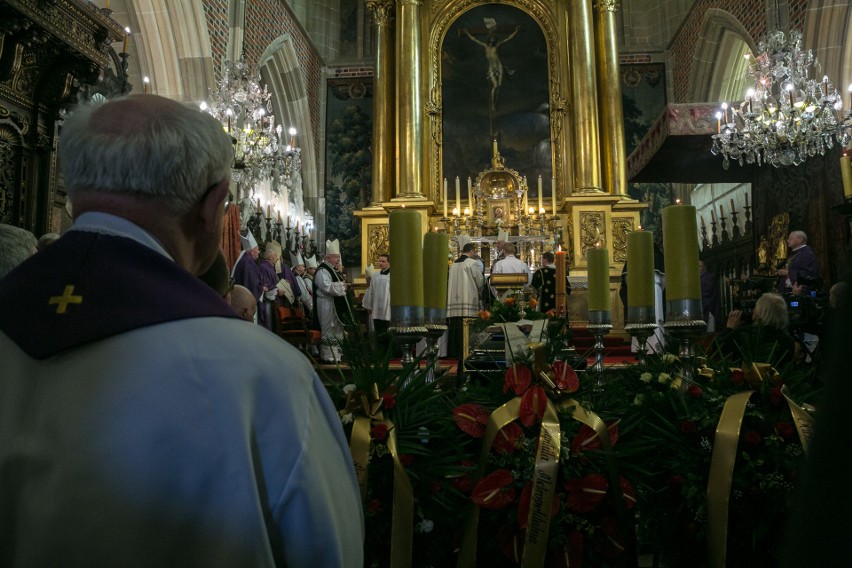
(518, 379)
(507, 439)
(524, 505)
(587, 493)
(495, 491)
(471, 418)
(533, 404)
(694, 391)
(379, 432)
(566, 377)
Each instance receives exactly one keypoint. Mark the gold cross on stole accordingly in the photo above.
(66, 298)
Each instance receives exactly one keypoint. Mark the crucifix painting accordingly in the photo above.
(494, 78)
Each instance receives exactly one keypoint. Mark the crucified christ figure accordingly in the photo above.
(495, 66)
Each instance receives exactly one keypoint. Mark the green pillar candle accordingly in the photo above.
(640, 269)
(435, 247)
(680, 249)
(406, 252)
(598, 259)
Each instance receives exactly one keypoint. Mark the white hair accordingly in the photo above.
(800, 235)
(16, 245)
(175, 156)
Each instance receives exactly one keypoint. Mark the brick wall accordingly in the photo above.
(750, 13)
(634, 58)
(349, 72)
(216, 13)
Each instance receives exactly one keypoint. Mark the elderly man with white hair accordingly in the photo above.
(144, 423)
(16, 245)
(801, 261)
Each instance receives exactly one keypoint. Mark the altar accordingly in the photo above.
(460, 90)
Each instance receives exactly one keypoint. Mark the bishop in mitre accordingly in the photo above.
(332, 307)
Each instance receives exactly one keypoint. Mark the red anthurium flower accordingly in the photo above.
(511, 543)
(471, 418)
(775, 396)
(785, 430)
(570, 556)
(464, 482)
(406, 459)
(566, 377)
(524, 505)
(752, 438)
(587, 493)
(379, 432)
(495, 491)
(613, 546)
(694, 391)
(518, 379)
(533, 404)
(627, 492)
(388, 400)
(587, 439)
(737, 376)
(507, 439)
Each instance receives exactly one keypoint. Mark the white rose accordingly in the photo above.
(646, 377)
(663, 378)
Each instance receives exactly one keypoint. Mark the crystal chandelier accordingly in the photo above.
(244, 108)
(788, 116)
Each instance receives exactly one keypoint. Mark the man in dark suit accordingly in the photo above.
(801, 261)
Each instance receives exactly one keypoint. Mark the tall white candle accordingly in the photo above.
(445, 198)
(540, 203)
(458, 194)
(470, 193)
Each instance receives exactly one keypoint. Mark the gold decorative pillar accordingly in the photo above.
(409, 101)
(384, 114)
(585, 98)
(613, 158)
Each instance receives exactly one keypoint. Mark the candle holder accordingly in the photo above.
(715, 239)
(407, 329)
(436, 326)
(724, 226)
(600, 323)
(747, 218)
(735, 227)
(684, 322)
(641, 324)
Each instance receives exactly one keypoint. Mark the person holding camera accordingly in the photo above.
(765, 340)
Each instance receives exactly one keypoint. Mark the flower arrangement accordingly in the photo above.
(632, 464)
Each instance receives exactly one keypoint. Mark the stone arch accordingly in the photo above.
(718, 69)
(280, 69)
(828, 31)
(172, 47)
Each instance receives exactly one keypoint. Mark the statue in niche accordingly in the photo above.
(495, 66)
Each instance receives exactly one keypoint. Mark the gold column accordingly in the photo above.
(384, 174)
(584, 97)
(613, 159)
(409, 105)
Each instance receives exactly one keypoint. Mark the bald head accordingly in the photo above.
(243, 302)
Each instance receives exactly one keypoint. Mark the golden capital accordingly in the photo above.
(381, 10)
(415, 3)
(608, 5)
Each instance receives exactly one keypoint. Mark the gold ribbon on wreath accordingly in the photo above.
(725, 456)
(803, 418)
(367, 410)
(546, 467)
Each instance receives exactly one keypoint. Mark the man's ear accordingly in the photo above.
(210, 207)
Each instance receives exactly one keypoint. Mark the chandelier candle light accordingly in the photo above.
(600, 320)
(406, 250)
(683, 286)
(640, 289)
(788, 116)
